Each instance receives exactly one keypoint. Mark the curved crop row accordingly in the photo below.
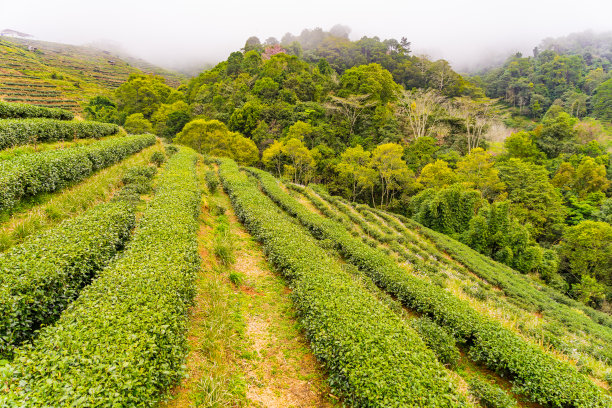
(537, 375)
(24, 110)
(17, 132)
(373, 358)
(122, 342)
(45, 172)
(39, 278)
(545, 300)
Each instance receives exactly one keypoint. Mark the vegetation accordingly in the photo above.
(19, 132)
(373, 360)
(132, 316)
(31, 174)
(23, 111)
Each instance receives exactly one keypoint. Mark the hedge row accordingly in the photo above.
(537, 375)
(24, 110)
(17, 132)
(542, 298)
(122, 342)
(48, 171)
(373, 358)
(39, 278)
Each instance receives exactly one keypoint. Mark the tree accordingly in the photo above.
(477, 170)
(602, 101)
(392, 170)
(302, 131)
(354, 169)
(476, 117)
(300, 159)
(372, 80)
(102, 109)
(520, 145)
(421, 152)
(350, 108)
(418, 107)
(557, 135)
(272, 157)
(587, 250)
(252, 44)
(437, 175)
(137, 124)
(214, 138)
(534, 199)
(144, 94)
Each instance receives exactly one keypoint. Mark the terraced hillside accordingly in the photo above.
(136, 274)
(63, 76)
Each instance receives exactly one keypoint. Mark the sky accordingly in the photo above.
(179, 33)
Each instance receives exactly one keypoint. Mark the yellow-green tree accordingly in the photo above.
(354, 170)
(477, 171)
(393, 172)
(437, 175)
(214, 138)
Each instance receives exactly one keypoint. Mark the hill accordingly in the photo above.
(63, 76)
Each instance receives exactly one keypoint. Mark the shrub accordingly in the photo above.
(536, 374)
(40, 277)
(158, 158)
(30, 174)
(211, 181)
(17, 132)
(373, 361)
(490, 395)
(438, 340)
(23, 111)
(122, 342)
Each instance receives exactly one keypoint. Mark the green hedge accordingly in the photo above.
(39, 278)
(24, 110)
(490, 395)
(122, 342)
(17, 132)
(528, 294)
(539, 376)
(373, 358)
(30, 174)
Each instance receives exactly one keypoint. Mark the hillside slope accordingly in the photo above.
(63, 76)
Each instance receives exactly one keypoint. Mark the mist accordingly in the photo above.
(183, 34)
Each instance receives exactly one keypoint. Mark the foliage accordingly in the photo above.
(372, 361)
(212, 181)
(534, 200)
(602, 105)
(158, 158)
(490, 395)
(143, 94)
(31, 174)
(25, 111)
(214, 138)
(40, 278)
(137, 124)
(126, 331)
(537, 375)
(587, 249)
(102, 109)
(16, 132)
(437, 175)
(438, 340)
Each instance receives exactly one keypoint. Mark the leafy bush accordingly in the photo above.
(373, 361)
(136, 181)
(40, 277)
(536, 374)
(17, 132)
(158, 158)
(23, 110)
(490, 395)
(170, 149)
(45, 172)
(122, 342)
(438, 340)
(212, 181)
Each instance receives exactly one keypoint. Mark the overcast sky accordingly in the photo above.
(173, 33)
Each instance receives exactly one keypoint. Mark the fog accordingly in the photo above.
(183, 33)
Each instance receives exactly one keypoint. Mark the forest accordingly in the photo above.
(513, 161)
